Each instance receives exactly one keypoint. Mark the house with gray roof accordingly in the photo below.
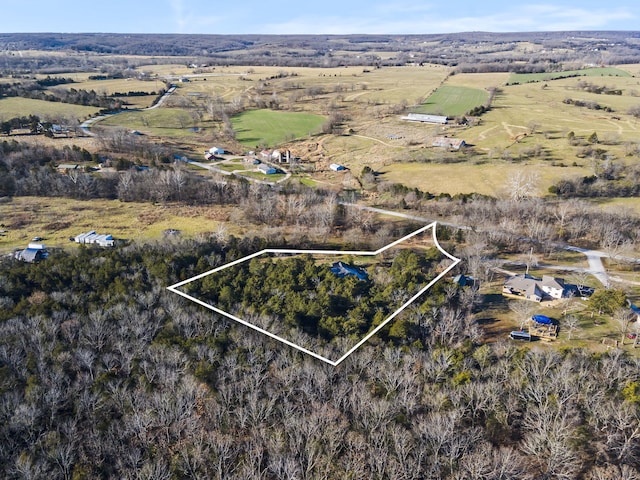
(524, 286)
(450, 143)
(536, 289)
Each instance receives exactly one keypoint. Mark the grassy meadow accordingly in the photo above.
(257, 127)
(57, 219)
(524, 118)
(169, 122)
(515, 78)
(450, 101)
(17, 107)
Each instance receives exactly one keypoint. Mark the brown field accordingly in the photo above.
(523, 117)
(57, 219)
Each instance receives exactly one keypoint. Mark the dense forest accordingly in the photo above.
(300, 297)
(105, 374)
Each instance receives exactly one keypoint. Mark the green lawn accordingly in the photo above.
(516, 78)
(269, 127)
(448, 100)
(274, 177)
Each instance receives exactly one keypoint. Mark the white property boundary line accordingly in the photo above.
(174, 289)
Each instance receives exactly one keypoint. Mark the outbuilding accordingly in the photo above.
(424, 118)
(93, 238)
(267, 169)
(33, 253)
(450, 143)
(216, 151)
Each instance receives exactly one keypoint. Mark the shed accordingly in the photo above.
(216, 151)
(336, 167)
(267, 169)
(520, 335)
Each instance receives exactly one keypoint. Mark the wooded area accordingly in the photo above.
(103, 374)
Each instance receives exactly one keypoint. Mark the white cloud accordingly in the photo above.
(189, 20)
(540, 17)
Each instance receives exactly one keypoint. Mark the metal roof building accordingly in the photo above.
(93, 237)
(267, 169)
(33, 253)
(424, 118)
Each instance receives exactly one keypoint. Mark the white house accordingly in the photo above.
(554, 287)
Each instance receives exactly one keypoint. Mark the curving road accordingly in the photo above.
(594, 257)
(87, 124)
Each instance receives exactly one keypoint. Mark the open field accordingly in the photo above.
(587, 72)
(478, 80)
(57, 219)
(448, 100)
(524, 118)
(518, 108)
(170, 122)
(18, 107)
(488, 179)
(256, 127)
(111, 86)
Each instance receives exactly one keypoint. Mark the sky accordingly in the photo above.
(315, 17)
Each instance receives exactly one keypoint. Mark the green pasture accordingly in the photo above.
(274, 177)
(270, 127)
(478, 80)
(171, 122)
(587, 72)
(450, 100)
(17, 107)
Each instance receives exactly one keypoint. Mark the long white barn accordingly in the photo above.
(93, 238)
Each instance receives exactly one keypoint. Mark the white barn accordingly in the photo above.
(93, 238)
(424, 118)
